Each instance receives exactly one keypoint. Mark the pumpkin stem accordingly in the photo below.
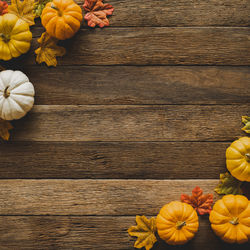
(5, 38)
(6, 93)
(248, 157)
(56, 8)
(234, 221)
(180, 224)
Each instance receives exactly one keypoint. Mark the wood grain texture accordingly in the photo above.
(177, 13)
(131, 123)
(140, 85)
(153, 46)
(89, 232)
(93, 197)
(107, 160)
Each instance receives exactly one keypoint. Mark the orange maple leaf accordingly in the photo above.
(97, 13)
(3, 8)
(200, 202)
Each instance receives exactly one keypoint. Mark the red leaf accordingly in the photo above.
(3, 8)
(97, 13)
(200, 202)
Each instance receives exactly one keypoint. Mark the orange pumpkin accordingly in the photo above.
(62, 18)
(177, 223)
(230, 218)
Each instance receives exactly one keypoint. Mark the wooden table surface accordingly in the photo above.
(133, 116)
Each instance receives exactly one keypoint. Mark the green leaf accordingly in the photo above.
(246, 121)
(228, 185)
(39, 6)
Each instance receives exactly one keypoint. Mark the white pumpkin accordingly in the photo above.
(16, 95)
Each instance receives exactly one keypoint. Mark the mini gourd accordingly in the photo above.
(238, 159)
(15, 37)
(177, 223)
(16, 95)
(230, 218)
(62, 18)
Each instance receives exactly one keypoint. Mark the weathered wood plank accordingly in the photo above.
(140, 85)
(92, 197)
(131, 123)
(178, 13)
(107, 160)
(84, 232)
(153, 46)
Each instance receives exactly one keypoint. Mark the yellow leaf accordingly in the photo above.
(246, 121)
(23, 9)
(5, 126)
(144, 231)
(48, 50)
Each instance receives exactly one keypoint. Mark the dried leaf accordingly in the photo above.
(3, 8)
(23, 9)
(200, 202)
(39, 6)
(97, 13)
(228, 185)
(5, 126)
(48, 50)
(246, 121)
(144, 231)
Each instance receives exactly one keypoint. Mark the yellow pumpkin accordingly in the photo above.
(62, 18)
(15, 37)
(238, 159)
(177, 223)
(230, 218)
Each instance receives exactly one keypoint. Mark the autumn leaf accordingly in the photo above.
(246, 121)
(23, 9)
(144, 231)
(228, 185)
(200, 202)
(3, 8)
(39, 6)
(5, 126)
(48, 50)
(97, 13)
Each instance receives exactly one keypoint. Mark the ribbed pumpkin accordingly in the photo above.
(177, 223)
(16, 95)
(15, 37)
(230, 218)
(62, 18)
(238, 159)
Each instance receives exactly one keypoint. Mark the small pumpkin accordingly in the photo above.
(62, 18)
(15, 37)
(238, 159)
(230, 218)
(177, 223)
(16, 95)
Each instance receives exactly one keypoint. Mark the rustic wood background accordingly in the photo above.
(134, 115)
